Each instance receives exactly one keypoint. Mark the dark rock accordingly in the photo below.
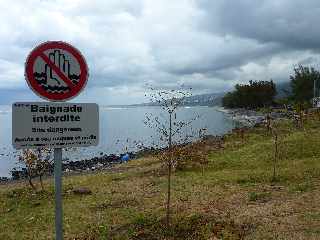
(4, 179)
(36, 204)
(19, 174)
(82, 191)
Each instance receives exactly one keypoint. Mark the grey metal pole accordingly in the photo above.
(58, 193)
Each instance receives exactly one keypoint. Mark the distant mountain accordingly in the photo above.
(210, 99)
(283, 90)
(215, 99)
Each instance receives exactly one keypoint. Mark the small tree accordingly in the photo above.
(37, 163)
(255, 94)
(299, 114)
(275, 130)
(169, 128)
(276, 152)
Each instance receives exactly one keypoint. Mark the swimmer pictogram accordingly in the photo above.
(49, 80)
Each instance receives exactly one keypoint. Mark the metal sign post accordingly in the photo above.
(55, 71)
(58, 192)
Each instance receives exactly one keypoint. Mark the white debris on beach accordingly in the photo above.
(250, 118)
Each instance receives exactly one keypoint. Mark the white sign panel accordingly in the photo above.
(316, 102)
(54, 125)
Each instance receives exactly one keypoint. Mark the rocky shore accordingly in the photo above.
(103, 162)
(87, 165)
(243, 118)
(251, 118)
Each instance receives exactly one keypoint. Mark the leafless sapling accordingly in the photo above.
(169, 129)
(276, 156)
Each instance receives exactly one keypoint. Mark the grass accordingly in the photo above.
(234, 198)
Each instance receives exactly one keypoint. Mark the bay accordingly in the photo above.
(122, 129)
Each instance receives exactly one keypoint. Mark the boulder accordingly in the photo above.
(82, 191)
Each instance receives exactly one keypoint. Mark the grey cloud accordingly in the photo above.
(291, 23)
(208, 45)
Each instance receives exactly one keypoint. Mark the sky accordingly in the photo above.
(209, 45)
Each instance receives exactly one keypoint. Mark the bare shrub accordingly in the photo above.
(37, 163)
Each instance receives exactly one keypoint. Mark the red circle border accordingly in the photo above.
(35, 53)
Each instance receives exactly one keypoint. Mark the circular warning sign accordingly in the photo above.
(56, 71)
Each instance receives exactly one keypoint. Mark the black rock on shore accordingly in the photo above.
(96, 163)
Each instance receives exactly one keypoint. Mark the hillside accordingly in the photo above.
(211, 99)
(233, 198)
(283, 89)
(215, 99)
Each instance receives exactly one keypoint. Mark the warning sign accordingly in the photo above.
(56, 71)
(45, 124)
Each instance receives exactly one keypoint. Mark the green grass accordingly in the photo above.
(234, 198)
(253, 162)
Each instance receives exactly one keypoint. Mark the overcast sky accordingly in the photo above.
(208, 45)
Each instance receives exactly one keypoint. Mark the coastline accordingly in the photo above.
(101, 163)
(242, 117)
(106, 162)
(118, 135)
(250, 118)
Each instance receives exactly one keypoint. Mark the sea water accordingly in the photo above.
(122, 129)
